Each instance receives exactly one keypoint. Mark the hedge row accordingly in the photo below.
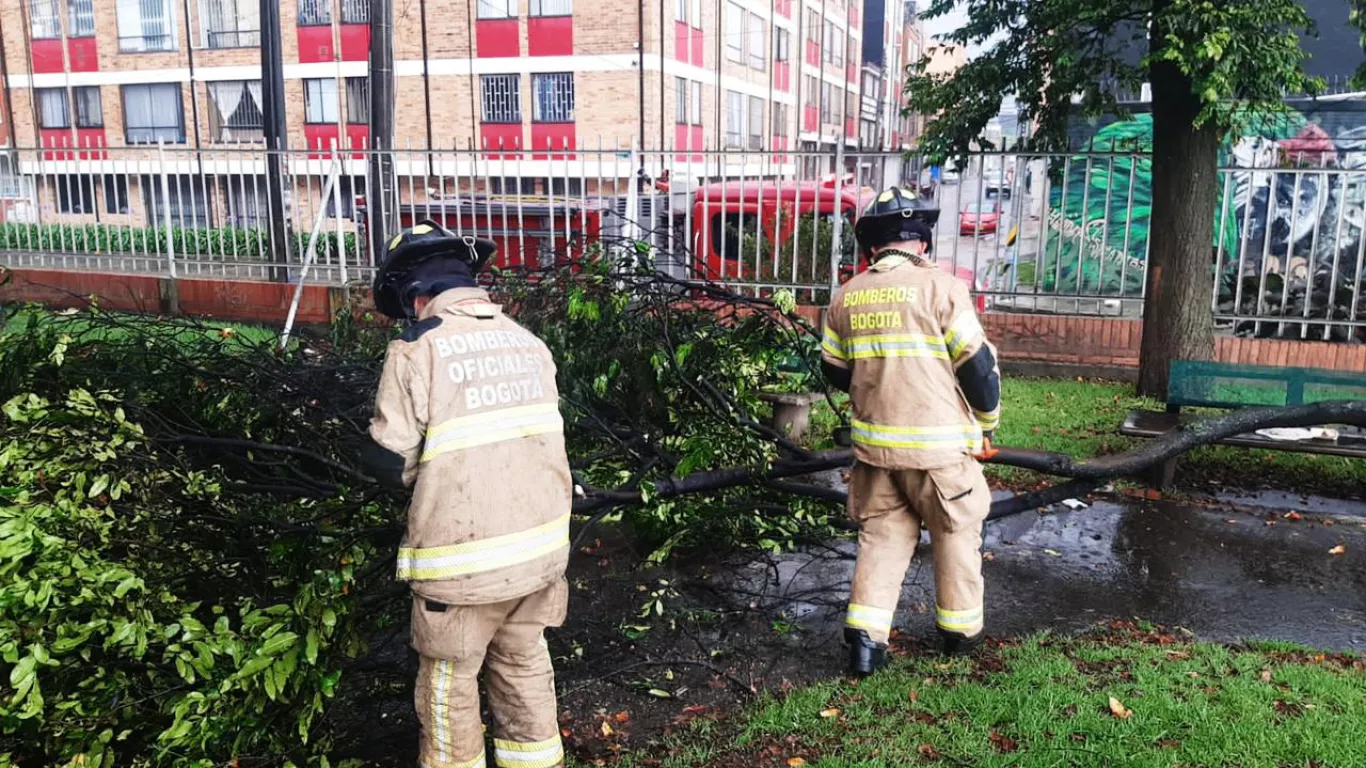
(226, 243)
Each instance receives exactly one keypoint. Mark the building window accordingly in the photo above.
(681, 10)
(780, 119)
(697, 14)
(315, 13)
(782, 44)
(80, 18)
(153, 113)
(231, 23)
(346, 191)
(320, 101)
(837, 57)
(758, 56)
(735, 119)
(552, 98)
(813, 26)
(756, 122)
(246, 198)
(827, 54)
(355, 11)
(52, 108)
(75, 194)
(182, 201)
(12, 185)
(512, 185)
(552, 7)
(557, 188)
(146, 26)
(497, 9)
(44, 23)
(697, 103)
(501, 97)
(850, 104)
(358, 100)
(734, 32)
(235, 111)
(89, 110)
(811, 90)
(115, 194)
(680, 101)
(826, 96)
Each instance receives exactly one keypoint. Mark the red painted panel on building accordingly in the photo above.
(554, 137)
(550, 36)
(698, 43)
(83, 54)
(813, 53)
(497, 37)
(853, 15)
(322, 139)
(47, 56)
(784, 7)
(853, 72)
(359, 136)
(682, 42)
(355, 42)
(782, 75)
(850, 127)
(495, 136)
(315, 44)
(780, 145)
(84, 140)
(809, 118)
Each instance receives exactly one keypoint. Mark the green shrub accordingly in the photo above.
(228, 243)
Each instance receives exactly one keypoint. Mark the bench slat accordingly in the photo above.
(1141, 423)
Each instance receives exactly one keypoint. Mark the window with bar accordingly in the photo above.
(496, 9)
(315, 13)
(552, 7)
(80, 18)
(89, 109)
(756, 122)
(697, 103)
(780, 119)
(837, 58)
(115, 194)
(696, 19)
(557, 188)
(681, 10)
(355, 11)
(44, 22)
(231, 23)
(828, 40)
(734, 33)
(146, 26)
(153, 113)
(680, 101)
(12, 185)
(812, 88)
(182, 201)
(826, 106)
(246, 199)
(235, 111)
(347, 190)
(75, 194)
(512, 185)
(735, 120)
(758, 53)
(813, 26)
(782, 44)
(552, 97)
(320, 101)
(358, 100)
(501, 98)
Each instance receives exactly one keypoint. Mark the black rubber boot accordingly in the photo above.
(959, 644)
(865, 656)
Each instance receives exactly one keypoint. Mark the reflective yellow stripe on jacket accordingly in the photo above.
(492, 427)
(937, 438)
(965, 331)
(415, 563)
(831, 344)
(896, 345)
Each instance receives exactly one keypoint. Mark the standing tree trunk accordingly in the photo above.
(1178, 323)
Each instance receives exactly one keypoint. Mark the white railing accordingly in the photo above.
(1065, 233)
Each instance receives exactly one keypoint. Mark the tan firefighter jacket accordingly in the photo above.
(902, 328)
(468, 399)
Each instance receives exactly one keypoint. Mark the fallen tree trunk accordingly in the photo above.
(1087, 474)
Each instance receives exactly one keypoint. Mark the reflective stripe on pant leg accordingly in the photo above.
(888, 533)
(956, 532)
(448, 709)
(967, 621)
(528, 754)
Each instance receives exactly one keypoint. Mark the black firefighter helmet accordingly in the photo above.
(896, 215)
(422, 256)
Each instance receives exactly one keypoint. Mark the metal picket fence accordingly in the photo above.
(1064, 233)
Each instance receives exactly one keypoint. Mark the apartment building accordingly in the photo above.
(102, 84)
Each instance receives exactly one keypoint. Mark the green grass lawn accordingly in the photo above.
(1082, 418)
(1045, 701)
(121, 329)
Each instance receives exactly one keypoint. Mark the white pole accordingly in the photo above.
(308, 256)
(166, 208)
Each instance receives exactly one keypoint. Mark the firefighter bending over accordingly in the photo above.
(467, 400)
(904, 341)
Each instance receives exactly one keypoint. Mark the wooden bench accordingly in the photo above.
(1198, 384)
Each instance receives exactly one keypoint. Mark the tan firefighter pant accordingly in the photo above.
(507, 641)
(890, 507)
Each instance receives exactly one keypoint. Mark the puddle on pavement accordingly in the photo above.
(1226, 575)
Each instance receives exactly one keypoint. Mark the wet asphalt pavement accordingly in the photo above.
(1227, 571)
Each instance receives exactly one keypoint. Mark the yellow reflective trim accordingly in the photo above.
(831, 344)
(962, 333)
(952, 429)
(885, 197)
(897, 345)
(965, 436)
(421, 229)
(415, 563)
(987, 420)
(397, 239)
(958, 620)
(530, 754)
(868, 618)
(488, 416)
(491, 437)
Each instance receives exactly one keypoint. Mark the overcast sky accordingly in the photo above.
(948, 23)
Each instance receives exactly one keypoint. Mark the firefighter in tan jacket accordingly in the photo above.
(467, 415)
(904, 341)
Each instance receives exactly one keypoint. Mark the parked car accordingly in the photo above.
(980, 218)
